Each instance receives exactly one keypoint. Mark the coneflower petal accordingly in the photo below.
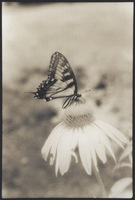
(104, 139)
(75, 156)
(100, 150)
(55, 135)
(91, 146)
(94, 137)
(54, 147)
(64, 152)
(75, 138)
(111, 136)
(84, 151)
(112, 132)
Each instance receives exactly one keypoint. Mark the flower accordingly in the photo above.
(80, 129)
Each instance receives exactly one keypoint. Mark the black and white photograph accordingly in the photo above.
(67, 90)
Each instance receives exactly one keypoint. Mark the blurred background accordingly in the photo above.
(97, 40)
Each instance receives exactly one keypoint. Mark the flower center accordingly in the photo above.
(78, 114)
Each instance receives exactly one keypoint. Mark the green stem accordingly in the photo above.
(99, 180)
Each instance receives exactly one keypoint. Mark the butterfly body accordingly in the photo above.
(60, 83)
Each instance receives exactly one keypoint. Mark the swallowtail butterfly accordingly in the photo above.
(61, 82)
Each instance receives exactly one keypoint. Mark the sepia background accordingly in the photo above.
(97, 40)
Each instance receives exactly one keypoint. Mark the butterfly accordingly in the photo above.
(60, 83)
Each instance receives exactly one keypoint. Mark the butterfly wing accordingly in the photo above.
(69, 101)
(61, 80)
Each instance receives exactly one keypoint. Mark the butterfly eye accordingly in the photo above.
(48, 98)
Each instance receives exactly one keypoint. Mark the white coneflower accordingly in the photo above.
(80, 129)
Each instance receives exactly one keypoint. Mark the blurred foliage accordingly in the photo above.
(97, 41)
(123, 187)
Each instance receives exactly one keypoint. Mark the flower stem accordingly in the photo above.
(99, 180)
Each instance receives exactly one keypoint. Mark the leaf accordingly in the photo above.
(120, 185)
(126, 194)
(127, 152)
(123, 164)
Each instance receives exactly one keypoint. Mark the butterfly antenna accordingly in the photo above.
(30, 92)
(86, 91)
